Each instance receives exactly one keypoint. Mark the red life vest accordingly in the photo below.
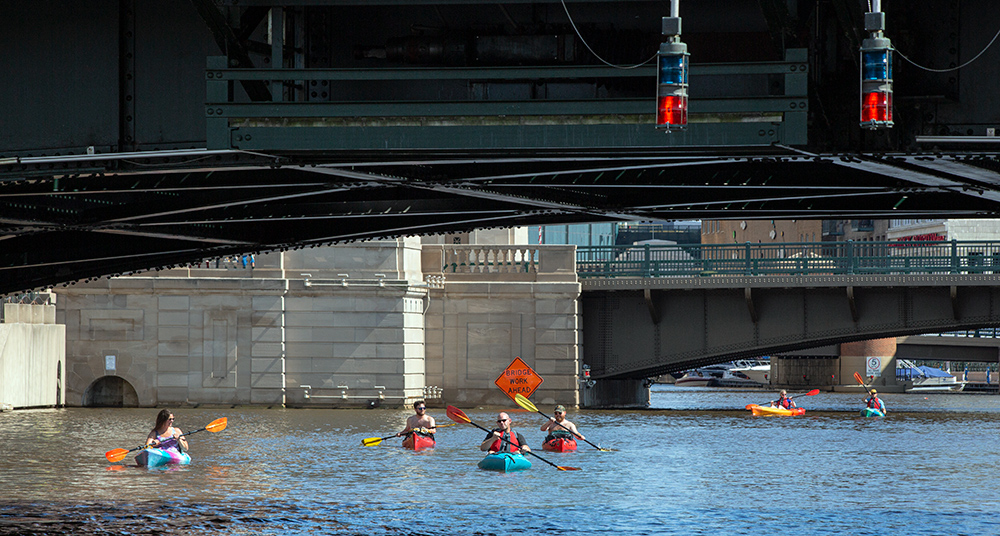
(500, 446)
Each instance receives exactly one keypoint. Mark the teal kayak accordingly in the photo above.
(505, 461)
(870, 412)
(157, 457)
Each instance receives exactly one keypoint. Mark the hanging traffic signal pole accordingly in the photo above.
(876, 72)
(672, 75)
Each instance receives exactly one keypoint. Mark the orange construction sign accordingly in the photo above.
(518, 378)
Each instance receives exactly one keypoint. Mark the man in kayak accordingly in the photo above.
(503, 439)
(421, 423)
(874, 402)
(783, 401)
(560, 426)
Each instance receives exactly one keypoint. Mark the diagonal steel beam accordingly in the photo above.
(230, 44)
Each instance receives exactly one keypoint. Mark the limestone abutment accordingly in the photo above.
(32, 354)
(359, 325)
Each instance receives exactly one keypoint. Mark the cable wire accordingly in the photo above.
(596, 55)
(976, 57)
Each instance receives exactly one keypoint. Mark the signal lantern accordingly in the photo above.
(876, 73)
(672, 86)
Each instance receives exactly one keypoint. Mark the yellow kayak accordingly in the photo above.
(768, 410)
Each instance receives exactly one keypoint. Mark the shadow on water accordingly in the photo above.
(696, 462)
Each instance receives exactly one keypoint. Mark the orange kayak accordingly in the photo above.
(767, 410)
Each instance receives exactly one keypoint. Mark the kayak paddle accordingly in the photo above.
(374, 441)
(117, 455)
(526, 404)
(810, 393)
(459, 416)
(860, 380)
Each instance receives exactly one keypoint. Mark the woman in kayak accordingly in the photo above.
(560, 426)
(164, 435)
(503, 439)
(783, 401)
(874, 402)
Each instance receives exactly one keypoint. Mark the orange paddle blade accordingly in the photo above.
(116, 455)
(458, 415)
(751, 406)
(561, 468)
(859, 379)
(217, 425)
(814, 392)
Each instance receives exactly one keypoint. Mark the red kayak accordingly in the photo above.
(417, 441)
(560, 444)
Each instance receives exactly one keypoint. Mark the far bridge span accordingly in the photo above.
(649, 310)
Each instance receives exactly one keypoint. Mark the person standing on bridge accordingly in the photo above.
(783, 401)
(874, 402)
(560, 425)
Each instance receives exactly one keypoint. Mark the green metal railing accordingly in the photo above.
(795, 258)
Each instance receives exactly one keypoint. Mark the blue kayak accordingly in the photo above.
(505, 461)
(871, 412)
(156, 457)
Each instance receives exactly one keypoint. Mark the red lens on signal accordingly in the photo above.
(671, 110)
(877, 106)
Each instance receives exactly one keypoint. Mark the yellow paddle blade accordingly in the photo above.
(563, 468)
(116, 455)
(524, 402)
(217, 425)
(371, 441)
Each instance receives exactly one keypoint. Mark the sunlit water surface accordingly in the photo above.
(697, 463)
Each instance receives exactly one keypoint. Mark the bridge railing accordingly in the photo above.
(794, 258)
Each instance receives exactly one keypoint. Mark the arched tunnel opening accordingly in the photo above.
(111, 392)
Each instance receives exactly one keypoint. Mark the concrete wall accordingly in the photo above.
(346, 321)
(360, 324)
(495, 303)
(32, 357)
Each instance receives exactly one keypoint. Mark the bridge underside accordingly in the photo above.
(637, 333)
(75, 217)
(139, 135)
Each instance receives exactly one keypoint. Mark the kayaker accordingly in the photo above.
(503, 439)
(783, 401)
(560, 426)
(165, 435)
(421, 423)
(874, 402)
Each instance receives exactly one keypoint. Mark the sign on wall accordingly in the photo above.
(873, 366)
(518, 378)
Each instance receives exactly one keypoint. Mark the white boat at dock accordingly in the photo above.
(721, 375)
(924, 379)
(758, 370)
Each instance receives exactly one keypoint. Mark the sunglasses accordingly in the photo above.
(502, 420)
(421, 409)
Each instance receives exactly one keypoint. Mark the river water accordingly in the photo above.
(696, 463)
